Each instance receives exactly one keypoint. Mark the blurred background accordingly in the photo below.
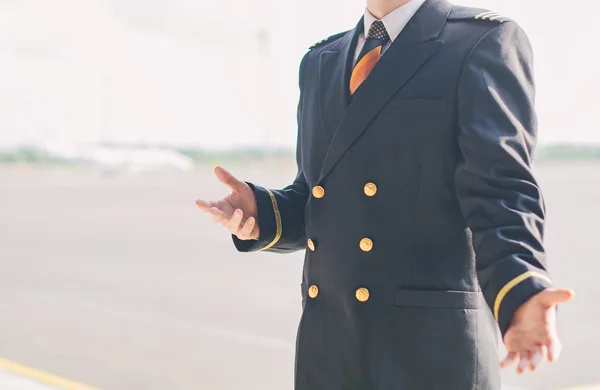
(112, 115)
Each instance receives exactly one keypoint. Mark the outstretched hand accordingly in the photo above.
(531, 337)
(237, 211)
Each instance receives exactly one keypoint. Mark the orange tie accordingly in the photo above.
(369, 55)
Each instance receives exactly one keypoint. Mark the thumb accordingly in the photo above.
(554, 296)
(229, 180)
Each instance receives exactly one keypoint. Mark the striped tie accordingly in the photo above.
(369, 55)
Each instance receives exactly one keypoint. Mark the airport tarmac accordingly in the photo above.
(120, 283)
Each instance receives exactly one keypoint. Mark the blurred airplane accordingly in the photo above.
(128, 159)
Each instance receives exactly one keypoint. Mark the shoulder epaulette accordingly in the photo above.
(467, 13)
(326, 40)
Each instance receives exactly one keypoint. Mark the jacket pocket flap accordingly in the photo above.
(441, 299)
(416, 105)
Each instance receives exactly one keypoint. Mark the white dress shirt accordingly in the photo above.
(394, 23)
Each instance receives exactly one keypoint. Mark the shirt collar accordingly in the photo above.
(396, 20)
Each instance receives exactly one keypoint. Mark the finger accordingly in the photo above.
(509, 360)
(235, 221)
(552, 296)
(536, 360)
(544, 351)
(204, 205)
(218, 215)
(554, 349)
(525, 361)
(539, 358)
(247, 229)
(228, 179)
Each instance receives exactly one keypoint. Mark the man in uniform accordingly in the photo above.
(416, 202)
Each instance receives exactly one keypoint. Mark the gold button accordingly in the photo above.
(362, 294)
(366, 244)
(311, 245)
(313, 291)
(370, 189)
(318, 192)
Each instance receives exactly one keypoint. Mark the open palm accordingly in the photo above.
(237, 211)
(532, 337)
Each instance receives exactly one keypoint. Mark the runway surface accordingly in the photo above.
(14, 382)
(121, 283)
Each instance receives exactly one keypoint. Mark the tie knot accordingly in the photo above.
(378, 31)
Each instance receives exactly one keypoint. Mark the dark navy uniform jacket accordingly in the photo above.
(416, 204)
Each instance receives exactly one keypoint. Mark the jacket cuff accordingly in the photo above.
(268, 220)
(509, 291)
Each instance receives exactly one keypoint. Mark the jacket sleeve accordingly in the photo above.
(498, 194)
(281, 212)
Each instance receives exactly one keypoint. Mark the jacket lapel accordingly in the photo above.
(409, 52)
(334, 80)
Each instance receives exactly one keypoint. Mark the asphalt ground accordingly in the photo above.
(119, 282)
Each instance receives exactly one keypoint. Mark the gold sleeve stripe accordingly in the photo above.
(277, 221)
(510, 285)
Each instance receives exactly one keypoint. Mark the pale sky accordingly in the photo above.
(193, 72)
